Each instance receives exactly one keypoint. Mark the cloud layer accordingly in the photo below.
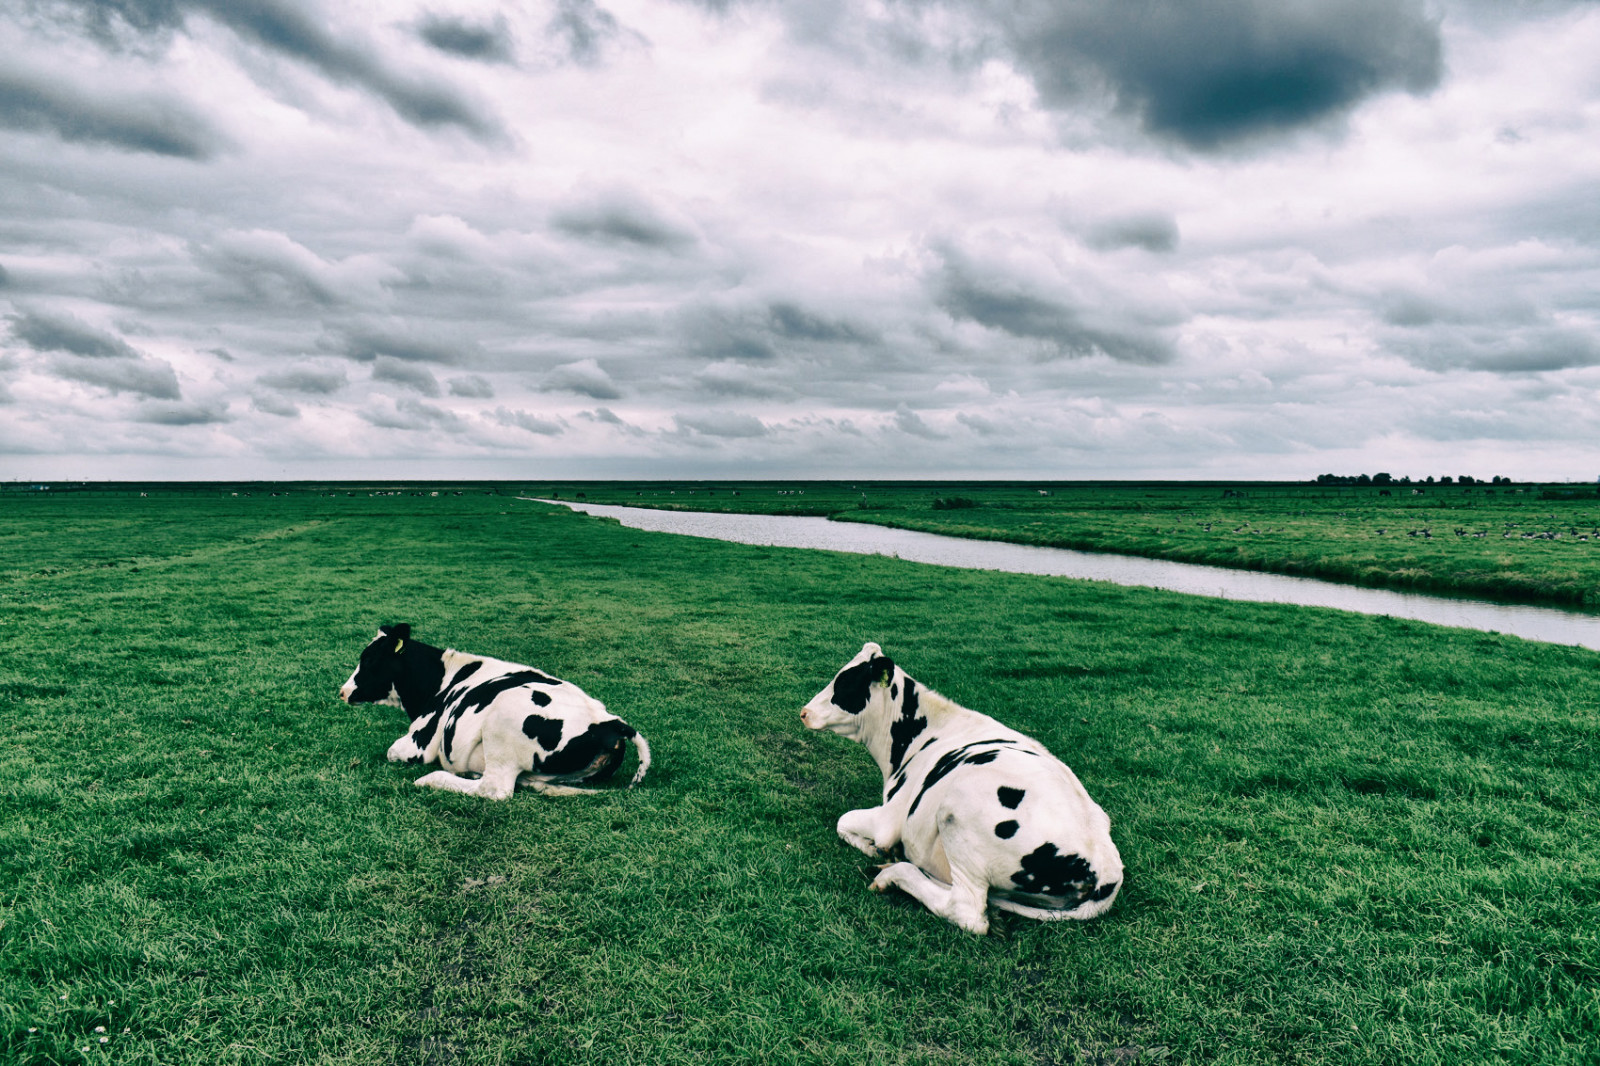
(1228, 238)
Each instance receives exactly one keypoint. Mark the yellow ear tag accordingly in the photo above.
(398, 645)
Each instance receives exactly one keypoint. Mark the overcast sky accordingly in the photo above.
(799, 238)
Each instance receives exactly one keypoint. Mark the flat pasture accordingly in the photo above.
(1530, 543)
(1348, 839)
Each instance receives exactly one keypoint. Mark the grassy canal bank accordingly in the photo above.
(1348, 839)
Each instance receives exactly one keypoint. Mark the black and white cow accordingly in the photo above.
(986, 814)
(507, 722)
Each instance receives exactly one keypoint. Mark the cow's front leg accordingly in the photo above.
(869, 830)
(965, 902)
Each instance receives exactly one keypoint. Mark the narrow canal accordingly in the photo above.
(1551, 624)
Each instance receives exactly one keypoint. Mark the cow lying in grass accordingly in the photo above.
(986, 814)
(508, 723)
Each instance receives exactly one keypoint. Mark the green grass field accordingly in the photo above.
(1536, 543)
(1348, 839)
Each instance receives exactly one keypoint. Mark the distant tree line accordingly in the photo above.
(1390, 479)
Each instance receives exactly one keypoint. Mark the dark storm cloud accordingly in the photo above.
(585, 377)
(908, 421)
(145, 377)
(412, 344)
(93, 356)
(583, 29)
(413, 415)
(274, 405)
(1413, 309)
(131, 122)
(732, 378)
(607, 417)
(793, 321)
(407, 375)
(622, 217)
(726, 424)
(487, 42)
(1499, 349)
(529, 422)
(55, 332)
(182, 414)
(1210, 73)
(270, 267)
(293, 30)
(472, 387)
(744, 347)
(308, 379)
(1008, 306)
(1153, 231)
(760, 333)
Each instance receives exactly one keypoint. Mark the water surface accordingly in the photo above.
(1551, 624)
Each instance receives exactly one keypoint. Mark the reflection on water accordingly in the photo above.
(1535, 623)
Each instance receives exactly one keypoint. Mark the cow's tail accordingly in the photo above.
(644, 757)
(1088, 907)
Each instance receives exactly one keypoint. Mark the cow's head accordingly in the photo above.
(377, 678)
(860, 689)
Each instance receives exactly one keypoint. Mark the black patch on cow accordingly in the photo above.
(541, 698)
(1103, 892)
(595, 753)
(422, 731)
(904, 729)
(899, 776)
(480, 696)
(1006, 830)
(951, 760)
(1010, 797)
(853, 683)
(465, 672)
(894, 691)
(545, 732)
(1045, 872)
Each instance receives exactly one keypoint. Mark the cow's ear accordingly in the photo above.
(883, 669)
(400, 631)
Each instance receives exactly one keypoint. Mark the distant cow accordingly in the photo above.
(986, 814)
(509, 723)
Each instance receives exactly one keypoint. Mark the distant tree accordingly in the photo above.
(1444, 480)
(1381, 478)
(1363, 480)
(1430, 479)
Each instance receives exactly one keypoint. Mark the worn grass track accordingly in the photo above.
(1348, 839)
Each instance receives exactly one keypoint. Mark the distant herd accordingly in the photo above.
(985, 816)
